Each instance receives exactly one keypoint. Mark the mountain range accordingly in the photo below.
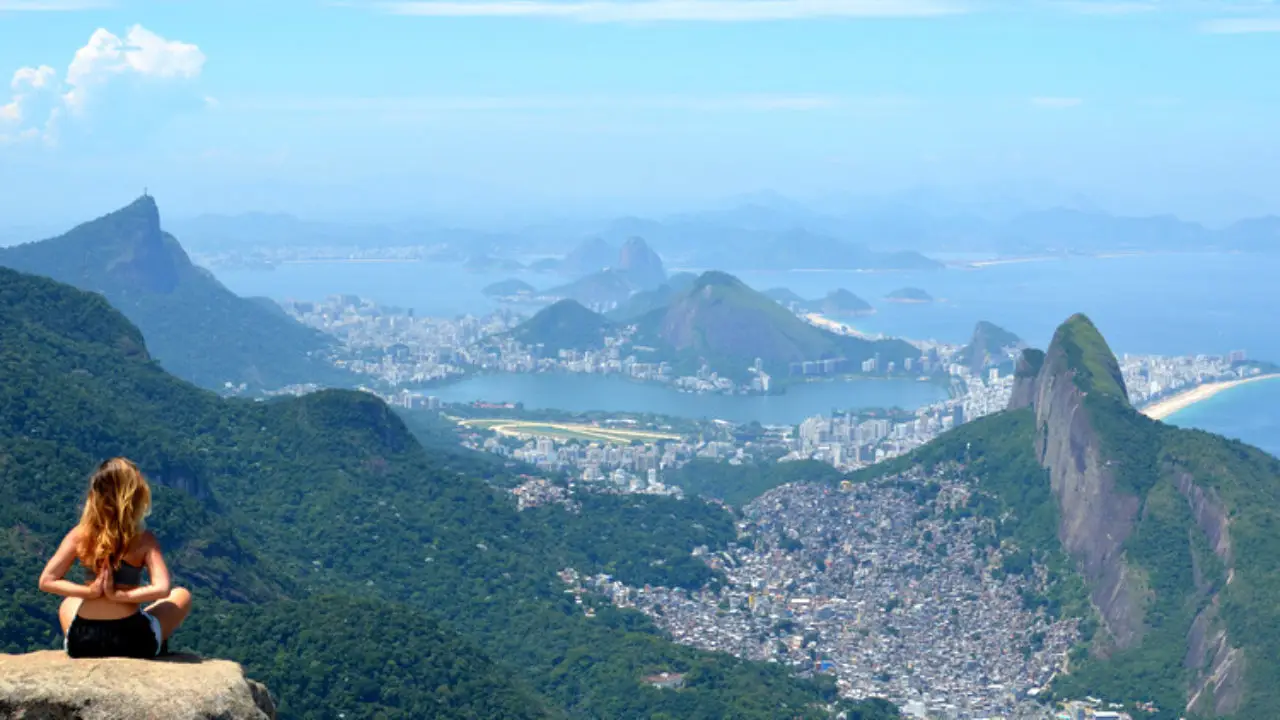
(354, 573)
(1161, 541)
(771, 232)
(195, 327)
(719, 321)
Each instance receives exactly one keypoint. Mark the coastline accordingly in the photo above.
(1163, 409)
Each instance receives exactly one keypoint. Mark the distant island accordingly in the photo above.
(508, 288)
(840, 303)
(909, 295)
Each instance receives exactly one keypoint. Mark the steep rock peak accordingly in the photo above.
(1079, 349)
(183, 687)
(641, 264)
(633, 250)
(131, 247)
(1096, 518)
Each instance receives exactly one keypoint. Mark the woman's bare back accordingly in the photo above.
(105, 609)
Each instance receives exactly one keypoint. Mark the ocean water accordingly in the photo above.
(1249, 413)
(1175, 304)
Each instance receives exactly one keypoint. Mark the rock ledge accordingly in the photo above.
(51, 686)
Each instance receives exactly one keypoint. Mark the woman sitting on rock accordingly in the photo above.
(105, 618)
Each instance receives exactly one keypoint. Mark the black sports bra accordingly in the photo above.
(128, 574)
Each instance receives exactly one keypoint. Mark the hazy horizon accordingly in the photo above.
(482, 108)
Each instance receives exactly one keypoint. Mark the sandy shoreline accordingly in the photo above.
(836, 326)
(1185, 399)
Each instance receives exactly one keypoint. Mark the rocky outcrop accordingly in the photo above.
(1075, 388)
(51, 686)
(641, 265)
(990, 345)
(1024, 378)
(1095, 519)
(1216, 668)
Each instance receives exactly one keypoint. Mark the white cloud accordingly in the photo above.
(39, 100)
(604, 11)
(1056, 103)
(51, 5)
(1240, 26)
(27, 85)
(141, 53)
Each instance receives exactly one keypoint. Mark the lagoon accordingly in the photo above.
(582, 392)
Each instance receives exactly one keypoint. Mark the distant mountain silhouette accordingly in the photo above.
(641, 265)
(784, 296)
(726, 324)
(990, 346)
(195, 327)
(566, 325)
(604, 287)
(840, 303)
(591, 256)
(646, 301)
(909, 295)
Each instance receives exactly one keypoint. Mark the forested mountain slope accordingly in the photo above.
(348, 569)
(198, 329)
(1163, 540)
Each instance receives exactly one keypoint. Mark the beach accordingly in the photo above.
(836, 326)
(1164, 408)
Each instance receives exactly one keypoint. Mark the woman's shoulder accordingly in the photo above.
(143, 543)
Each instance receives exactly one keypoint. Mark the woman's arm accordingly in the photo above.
(53, 578)
(159, 587)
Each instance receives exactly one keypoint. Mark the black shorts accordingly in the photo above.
(137, 636)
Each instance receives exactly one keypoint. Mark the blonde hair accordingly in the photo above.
(114, 512)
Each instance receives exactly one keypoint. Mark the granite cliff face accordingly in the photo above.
(1095, 519)
(1149, 531)
(51, 686)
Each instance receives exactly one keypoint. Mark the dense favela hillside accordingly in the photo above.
(1163, 541)
(348, 570)
(195, 327)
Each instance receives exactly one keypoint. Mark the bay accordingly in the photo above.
(1174, 304)
(1171, 304)
(581, 392)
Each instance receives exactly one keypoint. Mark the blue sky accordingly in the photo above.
(476, 105)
